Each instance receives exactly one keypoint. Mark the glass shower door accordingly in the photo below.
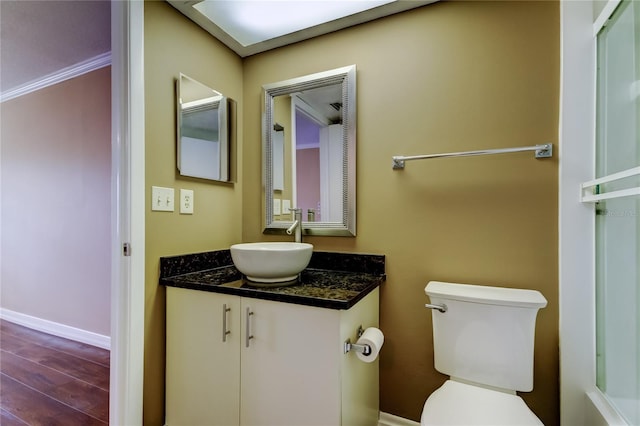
(618, 302)
(617, 211)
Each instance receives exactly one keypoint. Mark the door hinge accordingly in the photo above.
(126, 249)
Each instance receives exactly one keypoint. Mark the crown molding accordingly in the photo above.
(76, 70)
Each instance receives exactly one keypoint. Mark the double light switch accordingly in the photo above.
(163, 199)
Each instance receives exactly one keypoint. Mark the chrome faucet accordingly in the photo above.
(296, 225)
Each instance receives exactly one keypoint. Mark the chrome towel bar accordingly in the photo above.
(541, 151)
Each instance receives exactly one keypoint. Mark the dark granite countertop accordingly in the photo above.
(332, 280)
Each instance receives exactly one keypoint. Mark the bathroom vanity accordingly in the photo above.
(244, 355)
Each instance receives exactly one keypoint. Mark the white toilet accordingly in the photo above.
(484, 342)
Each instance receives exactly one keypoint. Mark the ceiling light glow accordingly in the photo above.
(254, 21)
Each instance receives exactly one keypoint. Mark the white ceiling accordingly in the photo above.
(40, 37)
(222, 24)
(255, 21)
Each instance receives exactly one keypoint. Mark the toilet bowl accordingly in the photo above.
(483, 340)
(457, 403)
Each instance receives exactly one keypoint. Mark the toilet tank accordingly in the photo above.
(486, 334)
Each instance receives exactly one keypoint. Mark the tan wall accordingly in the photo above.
(56, 216)
(446, 77)
(173, 45)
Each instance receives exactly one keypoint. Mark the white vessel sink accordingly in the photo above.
(272, 262)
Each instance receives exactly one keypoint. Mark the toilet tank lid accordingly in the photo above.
(486, 294)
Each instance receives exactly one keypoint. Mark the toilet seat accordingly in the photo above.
(456, 403)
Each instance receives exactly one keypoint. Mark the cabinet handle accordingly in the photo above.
(248, 335)
(225, 332)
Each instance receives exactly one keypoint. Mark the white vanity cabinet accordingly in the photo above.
(202, 370)
(281, 363)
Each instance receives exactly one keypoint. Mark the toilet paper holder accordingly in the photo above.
(364, 349)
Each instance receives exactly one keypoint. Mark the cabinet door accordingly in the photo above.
(203, 363)
(290, 367)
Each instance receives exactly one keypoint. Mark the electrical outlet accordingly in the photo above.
(162, 199)
(186, 201)
(286, 205)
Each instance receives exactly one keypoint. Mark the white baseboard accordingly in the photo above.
(387, 419)
(57, 329)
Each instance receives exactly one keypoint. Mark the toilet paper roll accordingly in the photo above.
(374, 338)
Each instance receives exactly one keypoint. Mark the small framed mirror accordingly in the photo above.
(309, 152)
(202, 131)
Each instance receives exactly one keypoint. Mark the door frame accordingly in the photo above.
(127, 213)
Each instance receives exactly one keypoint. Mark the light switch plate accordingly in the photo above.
(186, 201)
(162, 199)
(286, 205)
(276, 207)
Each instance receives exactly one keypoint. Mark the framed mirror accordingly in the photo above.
(309, 152)
(202, 131)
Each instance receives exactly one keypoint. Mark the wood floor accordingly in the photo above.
(48, 380)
